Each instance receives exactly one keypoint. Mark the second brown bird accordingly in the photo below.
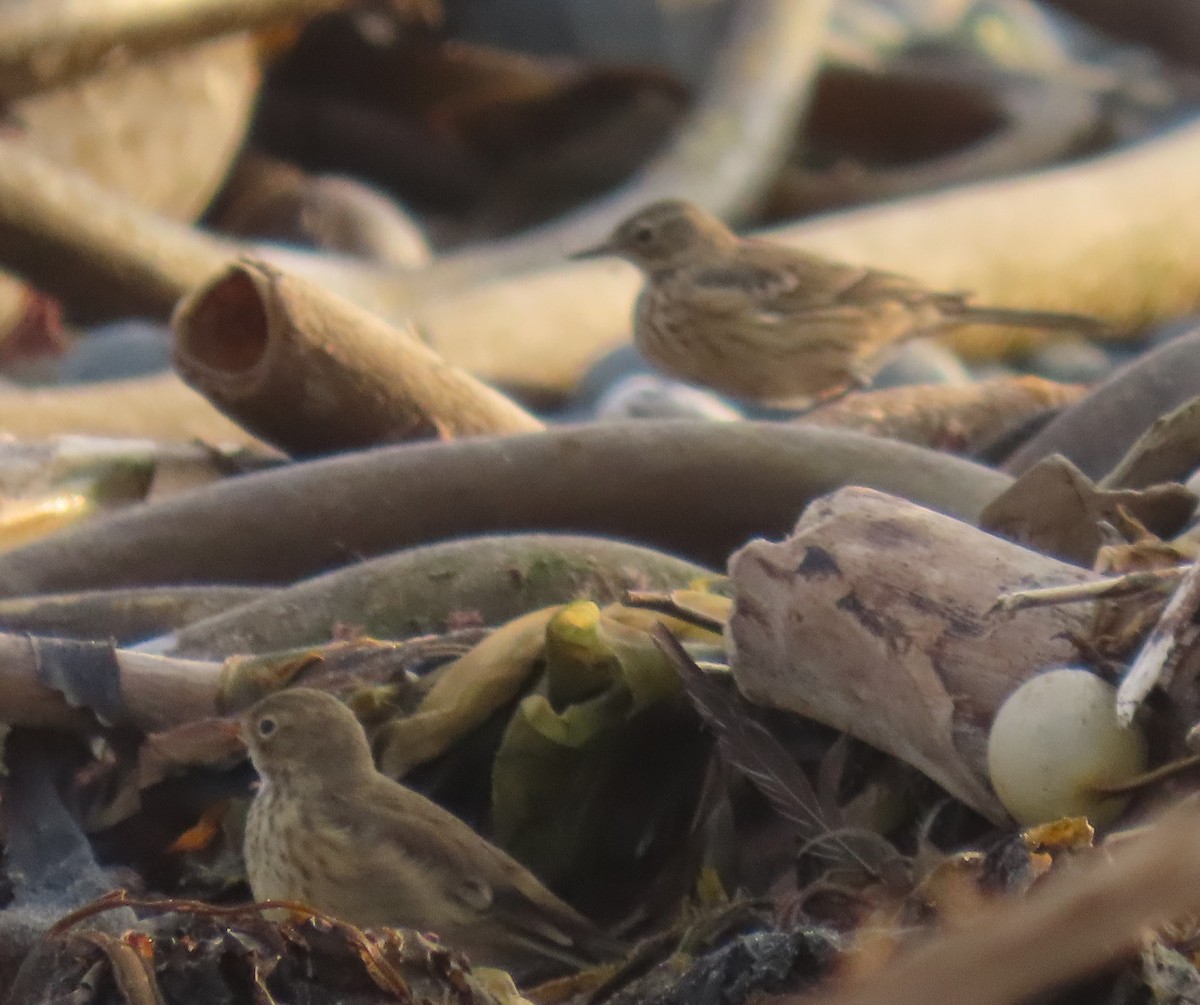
(770, 323)
(328, 829)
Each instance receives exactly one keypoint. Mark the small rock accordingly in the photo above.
(1070, 362)
(922, 362)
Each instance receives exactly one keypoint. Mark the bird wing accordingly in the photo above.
(786, 283)
(483, 881)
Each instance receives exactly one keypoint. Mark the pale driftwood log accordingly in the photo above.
(1079, 922)
(312, 373)
(46, 42)
(1115, 236)
(876, 617)
(160, 132)
(160, 408)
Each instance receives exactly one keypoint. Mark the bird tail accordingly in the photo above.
(1018, 318)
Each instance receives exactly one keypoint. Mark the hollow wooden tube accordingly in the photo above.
(312, 373)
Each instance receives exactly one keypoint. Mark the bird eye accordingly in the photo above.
(266, 726)
(643, 235)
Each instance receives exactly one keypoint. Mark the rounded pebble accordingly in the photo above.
(1053, 740)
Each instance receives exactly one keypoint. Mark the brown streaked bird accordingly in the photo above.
(770, 323)
(328, 829)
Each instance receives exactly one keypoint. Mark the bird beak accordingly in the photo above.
(232, 731)
(596, 251)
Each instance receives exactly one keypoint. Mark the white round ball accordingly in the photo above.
(1053, 740)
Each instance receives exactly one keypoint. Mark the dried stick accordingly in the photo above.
(1162, 645)
(311, 373)
(948, 417)
(1100, 589)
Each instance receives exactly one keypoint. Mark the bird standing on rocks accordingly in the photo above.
(328, 829)
(769, 323)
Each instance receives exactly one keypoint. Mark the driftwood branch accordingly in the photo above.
(963, 419)
(66, 234)
(876, 617)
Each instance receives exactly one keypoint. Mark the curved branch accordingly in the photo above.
(695, 489)
(725, 153)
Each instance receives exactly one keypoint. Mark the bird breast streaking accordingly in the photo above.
(769, 323)
(328, 829)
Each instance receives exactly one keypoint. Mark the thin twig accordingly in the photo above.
(1097, 589)
(1147, 778)
(668, 602)
(1162, 646)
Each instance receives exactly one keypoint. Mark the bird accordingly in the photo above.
(328, 829)
(769, 323)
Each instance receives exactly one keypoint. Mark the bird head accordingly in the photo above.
(306, 737)
(665, 235)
